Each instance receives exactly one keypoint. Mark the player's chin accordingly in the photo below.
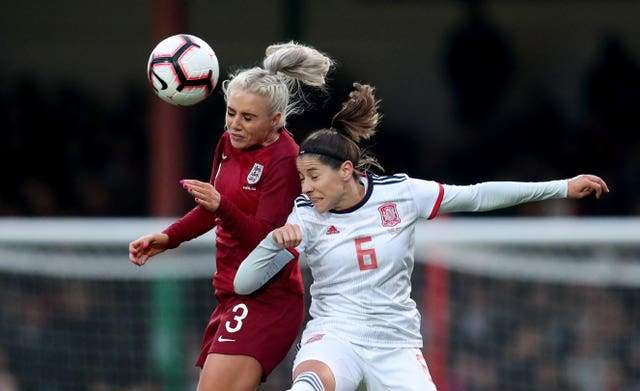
(320, 206)
(238, 142)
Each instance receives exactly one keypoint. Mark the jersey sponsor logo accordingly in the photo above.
(255, 174)
(332, 230)
(314, 338)
(389, 215)
(224, 156)
(220, 339)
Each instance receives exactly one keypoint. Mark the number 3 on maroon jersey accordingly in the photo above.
(366, 256)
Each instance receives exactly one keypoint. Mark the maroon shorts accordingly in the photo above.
(263, 325)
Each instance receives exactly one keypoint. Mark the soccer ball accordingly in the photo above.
(183, 70)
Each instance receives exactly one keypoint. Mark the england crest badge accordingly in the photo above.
(255, 174)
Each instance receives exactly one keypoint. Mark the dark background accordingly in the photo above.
(505, 90)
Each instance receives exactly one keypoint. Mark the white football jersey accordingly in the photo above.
(362, 258)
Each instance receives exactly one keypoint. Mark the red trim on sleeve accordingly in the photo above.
(434, 211)
(293, 251)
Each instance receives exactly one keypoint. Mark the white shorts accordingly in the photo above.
(378, 369)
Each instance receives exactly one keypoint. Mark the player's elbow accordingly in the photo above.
(242, 287)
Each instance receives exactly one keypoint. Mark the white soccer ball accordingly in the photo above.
(183, 70)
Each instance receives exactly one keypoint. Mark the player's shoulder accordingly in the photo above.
(303, 202)
(282, 154)
(385, 180)
(286, 144)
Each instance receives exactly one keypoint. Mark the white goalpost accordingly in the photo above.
(507, 303)
(96, 248)
(597, 251)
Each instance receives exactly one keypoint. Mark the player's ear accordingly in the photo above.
(275, 120)
(346, 170)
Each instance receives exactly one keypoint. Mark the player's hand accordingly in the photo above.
(289, 235)
(143, 248)
(203, 193)
(583, 185)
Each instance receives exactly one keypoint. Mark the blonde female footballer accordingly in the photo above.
(253, 182)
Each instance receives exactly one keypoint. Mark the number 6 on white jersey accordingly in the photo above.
(369, 253)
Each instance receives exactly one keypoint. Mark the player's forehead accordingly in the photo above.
(309, 163)
(246, 102)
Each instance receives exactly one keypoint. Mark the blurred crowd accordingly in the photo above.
(66, 152)
(66, 335)
(61, 334)
(517, 336)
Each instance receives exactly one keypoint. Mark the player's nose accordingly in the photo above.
(233, 123)
(306, 187)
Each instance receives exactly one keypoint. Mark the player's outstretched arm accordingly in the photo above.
(583, 185)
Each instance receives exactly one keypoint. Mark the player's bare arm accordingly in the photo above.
(584, 185)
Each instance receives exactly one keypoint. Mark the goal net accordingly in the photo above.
(507, 304)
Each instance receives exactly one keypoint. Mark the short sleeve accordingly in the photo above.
(427, 196)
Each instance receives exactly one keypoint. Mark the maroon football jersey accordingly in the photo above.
(257, 189)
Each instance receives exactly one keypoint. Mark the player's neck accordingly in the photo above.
(353, 195)
(272, 138)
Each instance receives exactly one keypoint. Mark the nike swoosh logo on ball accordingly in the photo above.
(163, 84)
